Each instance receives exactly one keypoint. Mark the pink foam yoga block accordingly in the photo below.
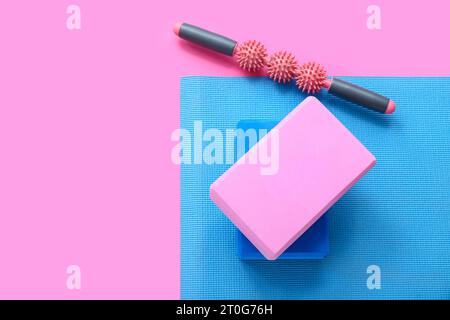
(318, 161)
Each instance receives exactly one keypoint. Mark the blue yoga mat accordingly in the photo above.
(397, 217)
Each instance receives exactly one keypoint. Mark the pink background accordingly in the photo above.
(86, 117)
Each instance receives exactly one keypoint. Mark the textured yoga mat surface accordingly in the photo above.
(396, 217)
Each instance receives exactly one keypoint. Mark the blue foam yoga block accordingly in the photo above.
(313, 244)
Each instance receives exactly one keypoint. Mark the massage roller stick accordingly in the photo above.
(282, 67)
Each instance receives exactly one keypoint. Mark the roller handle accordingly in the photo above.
(361, 96)
(207, 39)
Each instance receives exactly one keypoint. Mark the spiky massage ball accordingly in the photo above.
(282, 66)
(251, 55)
(311, 77)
